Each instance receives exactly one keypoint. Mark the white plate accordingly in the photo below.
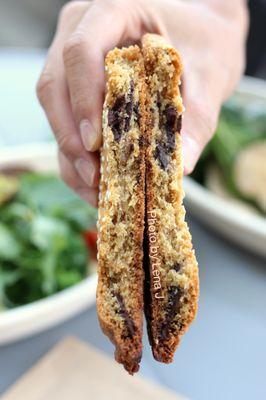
(27, 320)
(237, 223)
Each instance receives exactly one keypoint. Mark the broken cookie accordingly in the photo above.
(171, 267)
(121, 206)
(145, 256)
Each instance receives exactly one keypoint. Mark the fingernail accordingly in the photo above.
(86, 170)
(89, 136)
(190, 150)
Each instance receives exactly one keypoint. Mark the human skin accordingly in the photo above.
(210, 36)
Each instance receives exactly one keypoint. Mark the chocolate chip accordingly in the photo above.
(115, 119)
(174, 295)
(119, 116)
(171, 117)
(169, 124)
(176, 267)
(170, 140)
(161, 156)
(131, 329)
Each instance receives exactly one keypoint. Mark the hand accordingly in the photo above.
(209, 35)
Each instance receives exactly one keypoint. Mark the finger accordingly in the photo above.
(72, 179)
(70, 16)
(84, 65)
(199, 124)
(90, 196)
(202, 107)
(88, 171)
(68, 173)
(54, 96)
(107, 24)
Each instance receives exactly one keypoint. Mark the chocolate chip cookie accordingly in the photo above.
(121, 206)
(142, 232)
(171, 285)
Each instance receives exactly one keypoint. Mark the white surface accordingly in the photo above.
(26, 320)
(239, 225)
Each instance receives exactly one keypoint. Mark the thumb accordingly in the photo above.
(199, 123)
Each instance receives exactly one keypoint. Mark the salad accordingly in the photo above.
(234, 162)
(47, 237)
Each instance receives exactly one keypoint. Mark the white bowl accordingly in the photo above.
(239, 224)
(27, 320)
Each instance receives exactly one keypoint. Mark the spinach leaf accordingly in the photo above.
(49, 195)
(42, 250)
(9, 246)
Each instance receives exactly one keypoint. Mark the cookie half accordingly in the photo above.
(121, 206)
(171, 288)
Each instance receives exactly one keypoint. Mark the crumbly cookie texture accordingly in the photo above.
(141, 184)
(121, 206)
(171, 284)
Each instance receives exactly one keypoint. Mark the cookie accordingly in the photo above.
(171, 284)
(121, 206)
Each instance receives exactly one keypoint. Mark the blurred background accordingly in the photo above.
(48, 235)
(35, 23)
(26, 30)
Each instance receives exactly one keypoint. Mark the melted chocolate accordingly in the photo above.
(115, 119)
(161, 156)
(170, 114)
(169, 124)
(119, 116)
(174, 296)
(125, 315)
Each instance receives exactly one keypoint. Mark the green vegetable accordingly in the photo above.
(7, 278)
(42, 250)
(51, 196)
(8, 188)
(9, 246)
(239, 126)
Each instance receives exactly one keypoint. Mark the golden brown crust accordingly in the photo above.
(171, 290)
(121, 207)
